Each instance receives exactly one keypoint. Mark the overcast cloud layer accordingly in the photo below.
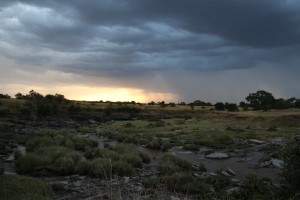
(209, 50)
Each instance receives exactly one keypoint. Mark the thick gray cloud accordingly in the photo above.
(131, 41)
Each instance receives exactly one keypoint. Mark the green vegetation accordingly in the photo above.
(256, 188)
(23, 187)
(66, 148)
(170, 164)
(291, 172)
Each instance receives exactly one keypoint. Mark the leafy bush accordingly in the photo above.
(22, 187)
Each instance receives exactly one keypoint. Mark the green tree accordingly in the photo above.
(261, 100)
(4, 96)
(232, 107)
(297, 103)
(19, 96)
(219, 106)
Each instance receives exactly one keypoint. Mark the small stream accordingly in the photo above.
(241, 164)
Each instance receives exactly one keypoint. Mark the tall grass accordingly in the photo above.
(15, 187)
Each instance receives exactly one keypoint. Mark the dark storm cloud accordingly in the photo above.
(133, 38)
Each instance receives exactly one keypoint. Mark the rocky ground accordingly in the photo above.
(258, 156)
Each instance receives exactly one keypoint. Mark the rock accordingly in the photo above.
(225, 173)
(265, 164)
(272, 163)
(297, 137)
(146, 197)
(230, 171)
(11, 158)
(255, 141)
(213, 174)
(236, 181)
(277, 163)
(54, 123)
(126, 179)
(232, 190)
(91, 121)
(217, 155)
(174, 198)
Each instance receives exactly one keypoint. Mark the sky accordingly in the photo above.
(144, 50)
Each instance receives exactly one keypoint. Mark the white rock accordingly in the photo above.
(255, 141)
(230, 171)
(277, 163)
(217, 155)
(232, 190)
(225, 173)
(174, 198)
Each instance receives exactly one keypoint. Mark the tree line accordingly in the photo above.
(259, 100)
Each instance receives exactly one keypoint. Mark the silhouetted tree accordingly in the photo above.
(219, 106)
(242, 104)
(232, 107)
(151, 103)
(4, 96)
(261, 100)
(19, 96)
(172, 104)
(297, 103)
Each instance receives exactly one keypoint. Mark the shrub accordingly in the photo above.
(167, 167)
(60, 160)
(101, 167)
(105, 168)
(256, 188)
(291, 171)
(132, 159)
(65, 165)
(122, 168)
(177, 181)
(219, 182)
(165, 145)
(82, 166)
(106, 153)
(22, 187)
(146, 158)
(192, 147)
(168, 164)
(224, 139)
(29, 162)
(154, 144)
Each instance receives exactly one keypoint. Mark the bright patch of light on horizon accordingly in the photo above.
(85, 93)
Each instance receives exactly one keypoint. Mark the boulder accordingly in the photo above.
(255, 141)
(174, 198)
(217, 155)
(230, 171)
(277, 163)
